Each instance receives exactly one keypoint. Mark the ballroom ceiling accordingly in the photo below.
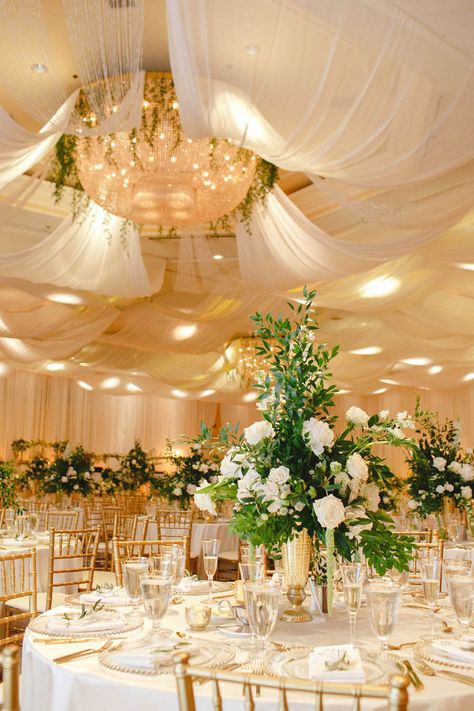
(406, 322)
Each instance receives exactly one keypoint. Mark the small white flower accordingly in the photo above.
(76, 486)
(383, 414)
(258, 431)
(397, 432)
(177, 491)
(190, 489)
(204, 502)
(449, 487)
(63, 479)
(439, 489)
(329, 511)
(279, 475)
(196, 446)
(134, 461)
(357, 467)
(439, 463)
(466, 492)
(357, 416)
(335, 467)
(412, 504)
(299, 506)
(204, 468)
(318, 435)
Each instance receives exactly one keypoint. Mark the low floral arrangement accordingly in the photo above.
(8, 486)
(199, 468)
(31, 475)
(136, 468)
(439, 467)
(70, 472)
(299, 468)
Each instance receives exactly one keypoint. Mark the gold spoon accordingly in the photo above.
(446, 628)
(402, 644)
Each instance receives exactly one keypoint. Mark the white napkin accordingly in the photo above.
(188, 585)
(451, 648)
(145, 657)
(320, 655)
(100, 621)
(115, 596)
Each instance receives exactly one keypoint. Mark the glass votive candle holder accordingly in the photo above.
(197, 617)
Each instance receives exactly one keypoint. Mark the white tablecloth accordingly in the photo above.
(84, 684)
(42, 565)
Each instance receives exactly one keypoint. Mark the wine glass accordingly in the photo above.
(162, 564)
(210, 551)
(261, 599)
(383, 600)
(132, 569)
(461, 594)
(9, 520)
(178, 556)
(430, 569)
(457, 567)
(23, 525)
(353, 575)
(156, 591)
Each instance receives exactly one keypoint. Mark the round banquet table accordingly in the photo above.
(85, 684)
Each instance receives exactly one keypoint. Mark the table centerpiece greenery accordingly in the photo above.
(70, 472)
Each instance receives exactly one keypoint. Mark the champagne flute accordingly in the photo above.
(251, 572)
(461, 594)
(156, 591)
(430, 569)
(383, 600)
(353, 575)
(178, 555)
(210, 551)
(261, 599)
(132, 569)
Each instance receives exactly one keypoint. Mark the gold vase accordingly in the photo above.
(296, 556)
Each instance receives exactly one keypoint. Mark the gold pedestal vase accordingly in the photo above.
(296, 556)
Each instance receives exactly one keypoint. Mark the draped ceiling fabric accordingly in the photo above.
(376, 112)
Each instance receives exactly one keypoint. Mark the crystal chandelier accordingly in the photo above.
(155, 175)
(251, 365)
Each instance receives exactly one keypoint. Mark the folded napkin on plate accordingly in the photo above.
(114, 596)
(451, 648)
(145, 657)
(321, 659)
(188, 584)
(100, 621)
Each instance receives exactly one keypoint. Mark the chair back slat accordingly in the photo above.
(79, 545)
(18, 580)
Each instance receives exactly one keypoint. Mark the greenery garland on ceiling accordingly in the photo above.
(157, 96)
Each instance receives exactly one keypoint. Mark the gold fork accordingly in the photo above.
(454, 676)
(83, 653)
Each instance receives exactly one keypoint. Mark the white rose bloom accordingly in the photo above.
(383, 414)
(342, 479)
(466, 492)
(355, 486)
(87, 475)
(177, 491)
(412, 504)
(76, 486)
(279, 475)
(318, 435)
(232, 463)
(204, 502)
(467, 472)
(204, 468)
(258, 431)
(248, 484)
(357, 467)
(63, 478)
(352, 513)
(449, 487)
(274, 507)
(372, 494)
(191, 488)
(269, 490)
(455, 467)
(329, 511)
(196, 446)
(439, 489)
(439, 463)
(357, 416)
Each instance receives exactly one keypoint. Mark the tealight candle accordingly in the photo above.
(197, 616)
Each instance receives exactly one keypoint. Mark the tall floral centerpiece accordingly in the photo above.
(440, 469)
(190, 471)
(70, 472)
(136, 468)
(299, 473)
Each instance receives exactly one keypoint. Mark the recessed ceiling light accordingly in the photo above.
(109, 383)
(381, 286)
(416, 361)
(39, 68)
(84, 385)
(207, 393)
(435, 369)
(342, 391)
(252, 50)
(179, 393)
(3, 368)
(218, 256)
(369, 350)
(84, 365)
(465, 265)
(468, 377)
(388, 381)
(70, 299)
(132, 388)
(250, 397)
(181, 333)
(379, 391)
(55, 366)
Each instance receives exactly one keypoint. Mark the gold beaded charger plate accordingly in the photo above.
(294, 663)
(104, 623)
(425, 651)
(107, 602)
(145, 658)
(201, 587)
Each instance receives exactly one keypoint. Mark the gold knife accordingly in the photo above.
(462, 678)
(413, 676)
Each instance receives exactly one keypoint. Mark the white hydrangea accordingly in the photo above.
(318, 435)
(258, 431)
(439, 463)
(357, 416)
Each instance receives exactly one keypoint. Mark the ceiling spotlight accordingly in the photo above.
(379, 391)
(388, 381)
(181, 333)
(179, 393)
(217, 257)
(252, 50)
(70, 299)
(83, 364)
(39, 68)
(84, 385)
(109, 383)
(132, 388)
(468, 377)
(416, 361)
(207, 393)
(370, 350)
(435, 369)
(381, 286)
(250, 397)
(55, 366)
(465, 265)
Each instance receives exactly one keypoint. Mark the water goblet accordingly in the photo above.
(457, 567)
(162, 564)
(353, 575)
(23, 525)
(132, 569)
(430, 569)
(252, 554)
(156, 591)
(9, 520)
(383, 600)
(461, 594)
(261, 599)
(210, 551)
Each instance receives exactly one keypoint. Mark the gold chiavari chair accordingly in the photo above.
(132, 503)
(62, 520)
(72, 557)
(175, 524)
(395, 693)
(134, 549)
(419, 536)
(10, 661)
(125, 529)
(18, 594)
(108, 522)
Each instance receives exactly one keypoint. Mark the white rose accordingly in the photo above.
(248, 484)
(455, 467)
(357, 416)
(177, 491)
(204, 502)
(467, 472)
(329, 511)
(371, 493)
(269, 490)
(383, 414)
(232, 463)
(357, 467)
(318, 435)
(439, 463)
(342, 479)
(204, 468)
(190, 489)
(258, 431)
(449, 487)
(351, 514)
(274, 507)
(413, 504)
(439, 489)
(397, 432)
(87, 475)
(76, 486)
(196, 446)
(63, 478)
(466, 492)
(279, 475)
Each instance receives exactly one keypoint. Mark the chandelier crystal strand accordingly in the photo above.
(155, 175)
(251, 365)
